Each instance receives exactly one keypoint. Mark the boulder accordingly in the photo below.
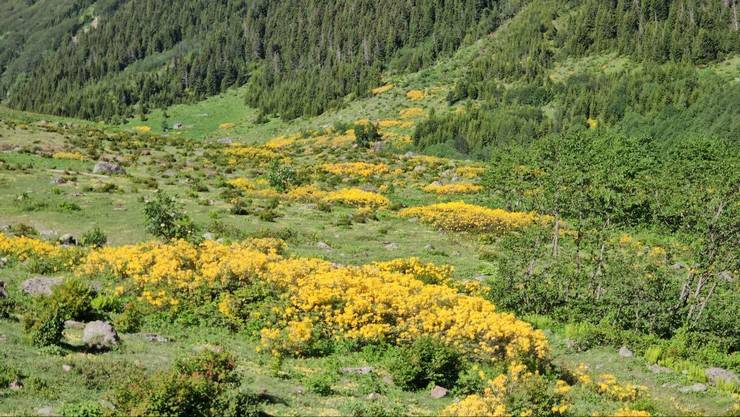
(438, 392)
(99, 335)
(67, 240)
(3, 262)
(108, 168)
(73, 324)
(66, 368)
(625, 353)
(721, 376)
(391, 246)
(226, 141)
(323, 246)
(657, 369)
(16, 385)
(362, 370)
(40, 285)
(373, 396)
(298, 390)
(45, 411)
(693, 388)
(58, 181)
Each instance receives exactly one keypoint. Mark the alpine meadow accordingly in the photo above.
(369, 208)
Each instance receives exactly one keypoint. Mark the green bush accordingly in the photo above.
(82, 409)
(130, 320)
(427, 361)
(359, 408)
(281, 176)
(94, 237)
(321, 383)
(166, 219)
(8, 373)
(45, 329)
(45, 321)
(238, 403)
(7, 307)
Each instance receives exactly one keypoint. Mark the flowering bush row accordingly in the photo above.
(463, 217)
(361, 169)
(453, 188)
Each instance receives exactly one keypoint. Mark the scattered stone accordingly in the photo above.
(209, 236)
(16, 385)
(45, 411)
(58, 181)
(438, 392)
(99, 335)
(40, 285)
(108, 168)
(625, 353)
(409, 155)
(107, 404)
(298, 390)
(725, 275)
(373, 396)
(226, 141)
(693, 388)
(481, 277)
(419, 168)
(570, 344)
(362, 370)
(721, 376)
(73, 324)
(3, 291)
(323, 246)
(429, 246)
(670, 385)
(657, 369)
(66, 368)
(436, 183)
(378, 146)
(679, 265)
(3, 262)
(392, 246)
(68, 240)
(153, 337)
(177, 125)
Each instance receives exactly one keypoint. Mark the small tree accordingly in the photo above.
(166, 219)
(282, 176)
(366, 134)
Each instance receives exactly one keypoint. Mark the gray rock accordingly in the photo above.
(45, 411)
(66, 368)
(625, 353)
(362, 370)
(40, 285)
(436, 183)
(721, 376)
(391, 246)
(226, 141)
(3, 262)
(373, 396)
(657, 369)
(323, 246)
(153, 337)
(409, 155)
(16, 385)
(177, 126)
(419, 169)
(209, 236)
(99, 335)
(58, 181)
(429, 246)
(73, 324)
(299, 390)
(208, 347)
(438, 392)
(108, 168)
(679, 265)
(68, 240)
(693, 388)
(726, 276)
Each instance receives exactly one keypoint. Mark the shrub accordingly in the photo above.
(82, 409)
(7, 307)
(238, 403)
(366, 134)
(321, 383)
(166, 219)
(45, 322)
(373, 409)
(281, 177)
(94, 237)
(46, 329)
(130, 320)
(8, 373)
(427, 361)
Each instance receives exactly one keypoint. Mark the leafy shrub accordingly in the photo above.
(69, 206)
(281, 176)
(166, 219)
(82, 409)
(7, 307)
(8, 373)
(94, 237)
(241, 207)
(373, 409)
(238, 403)
(321, 383)
(366, 134)
(45, 322)
(45, 329)
(427, 361)
(130, 320)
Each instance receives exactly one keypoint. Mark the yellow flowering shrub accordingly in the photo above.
(281, 141)
(143, 129)
(356, 197)
(470, 171)
(628, 412)
(68, 155)
(452, 188)
(494, 401)
(426, 272)
(226, 126)
(412, 112)
(306, 193)
(428, 160)
(463, 217)
(360, 169)
(607, 385)
(244, 184)
(23, 248)
(382, 89)
(386, 123)
(415, 95)
(253, 153)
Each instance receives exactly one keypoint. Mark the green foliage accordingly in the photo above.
(366, 134)
(8, 373)
(427, 361)
(166, 219)
(321, 383)
(82, 409)
(281, 176)
(130, 320)
(45, 321)
(360, 408)
(94, 237)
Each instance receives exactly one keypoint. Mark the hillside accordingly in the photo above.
(432, 207)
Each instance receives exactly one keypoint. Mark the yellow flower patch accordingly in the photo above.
(412, 112)
(226, 126)
(356, 197)
(360, 169)
(251, 152)
(415, 95)
(382, 89)
(453, 188)
(462, 217)
(68, 155)
(143, 129)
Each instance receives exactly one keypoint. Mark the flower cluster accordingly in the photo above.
(382, 89)
(68, 155)
(360, 169)
(226, 126)
(412, 112)
(470, 171)
(463, 217)
(356, 197)
(281, 141)
(143, 129)
(607, 385)
(452, 188)
(253, 153)
(415, 95)
(23, 248)
(306, 193)
(496, 399)
(426, 272)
